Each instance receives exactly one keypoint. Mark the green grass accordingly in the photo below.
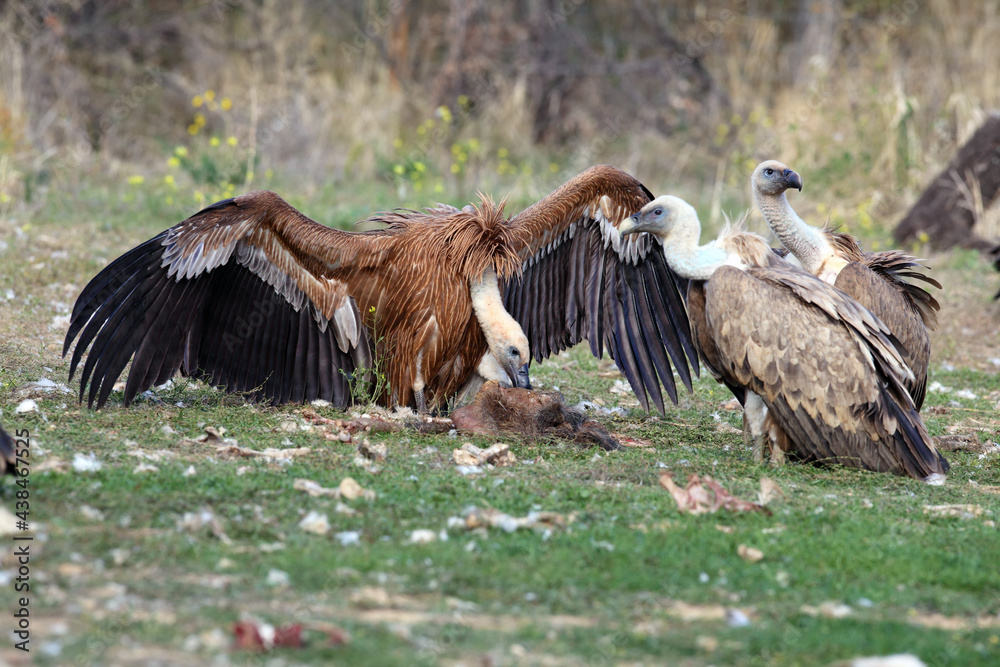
(628, 580)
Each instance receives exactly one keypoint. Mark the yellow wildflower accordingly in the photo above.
(231, 141)
(209, 95)
(197, 101)
(192, 129)
(455, 167)
(214, 141)
(226, 104)
(168, 179)
(180, 151)
(136, 180)
(199, 119)
(173, 163)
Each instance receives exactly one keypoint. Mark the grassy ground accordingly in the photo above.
(125, 572)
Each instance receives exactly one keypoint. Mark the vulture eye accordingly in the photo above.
(657, 211)
(514, 352)
(769, 172)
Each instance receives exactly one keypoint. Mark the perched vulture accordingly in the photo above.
(8, 458)
(877, 280)
(820, 375)
(252, 295)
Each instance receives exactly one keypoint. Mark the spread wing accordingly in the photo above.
(825, 367)
(248, 294)
(582, 280)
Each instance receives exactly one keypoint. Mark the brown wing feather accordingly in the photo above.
(702, 336)
(887, 301)
(582, 280)
(882, 282)
(823, 367)
(248, 293)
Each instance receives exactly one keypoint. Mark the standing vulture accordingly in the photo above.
(877, 280)
(822, 380)
(252, 295)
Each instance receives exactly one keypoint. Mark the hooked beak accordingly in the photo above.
(629, 225)
(793, 180)
(519, 378)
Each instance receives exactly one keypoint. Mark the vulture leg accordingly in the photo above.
(754, 419)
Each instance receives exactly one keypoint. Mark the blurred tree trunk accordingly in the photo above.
(951, 204)
(814, 50)
(399, 33)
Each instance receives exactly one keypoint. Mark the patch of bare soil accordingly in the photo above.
(968, 332)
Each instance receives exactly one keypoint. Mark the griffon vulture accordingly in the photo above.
(821, 377)
(252, 295)
(877, 280)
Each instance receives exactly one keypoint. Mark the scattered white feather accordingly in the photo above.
(898, 660)
(86, 462)
(737, 619)
(965, 393)
(938, 388)
(349, 538)
(27, 405)
(277, 578)
(423, 536)
(91, 513)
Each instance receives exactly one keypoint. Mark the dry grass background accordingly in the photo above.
(867, 98)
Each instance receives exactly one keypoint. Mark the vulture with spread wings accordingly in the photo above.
(251, 295)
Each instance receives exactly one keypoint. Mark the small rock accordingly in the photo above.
(315, 522)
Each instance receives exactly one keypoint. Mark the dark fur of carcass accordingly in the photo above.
(500, 410)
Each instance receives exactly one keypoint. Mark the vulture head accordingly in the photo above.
(665, 217)
(512, 370)
(772, 178)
